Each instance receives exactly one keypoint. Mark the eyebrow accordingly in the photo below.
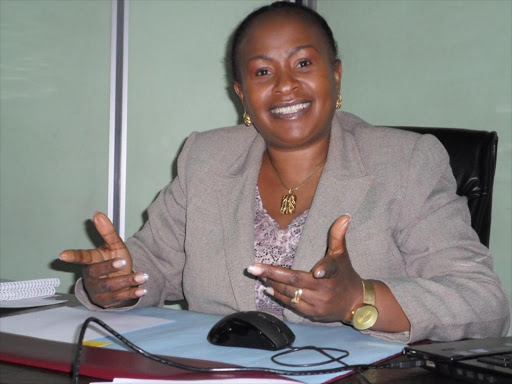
(290, 53)
(300, 47)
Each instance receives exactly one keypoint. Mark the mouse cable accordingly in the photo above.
(322, 351)
(137, 349)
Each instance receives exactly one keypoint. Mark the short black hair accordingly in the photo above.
(279, 8)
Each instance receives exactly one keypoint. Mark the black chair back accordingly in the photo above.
(473, 160)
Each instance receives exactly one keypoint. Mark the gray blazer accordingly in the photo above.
(409, 229)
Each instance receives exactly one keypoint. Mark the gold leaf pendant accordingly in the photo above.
(288, 203)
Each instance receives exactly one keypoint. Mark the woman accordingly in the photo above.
(336, 220)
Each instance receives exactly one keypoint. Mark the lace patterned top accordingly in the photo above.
(274, 246)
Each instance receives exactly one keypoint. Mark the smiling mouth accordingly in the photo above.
(291, 111)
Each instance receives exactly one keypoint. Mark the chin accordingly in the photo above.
(291, 134)
(297, 141)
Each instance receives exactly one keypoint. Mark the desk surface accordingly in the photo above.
(20, 374)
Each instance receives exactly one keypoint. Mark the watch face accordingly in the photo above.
(365, 317)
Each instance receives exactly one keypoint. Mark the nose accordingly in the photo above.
(285, 83)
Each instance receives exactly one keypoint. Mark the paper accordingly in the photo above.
(184, 335)
(33, 302)
(64, 323)
(24, 289)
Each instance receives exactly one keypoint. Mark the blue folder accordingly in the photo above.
(186, 335)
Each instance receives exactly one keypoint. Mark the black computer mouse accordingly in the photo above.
(251, 329)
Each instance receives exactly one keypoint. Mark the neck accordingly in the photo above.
(293, 166)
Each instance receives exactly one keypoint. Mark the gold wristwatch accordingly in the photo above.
(366, 315)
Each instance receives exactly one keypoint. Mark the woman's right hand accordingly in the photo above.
(107, 272)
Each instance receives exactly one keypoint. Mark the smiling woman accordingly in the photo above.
(306, 212)
(288, 79)
(289, 82)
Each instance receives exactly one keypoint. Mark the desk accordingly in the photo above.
(19, 374)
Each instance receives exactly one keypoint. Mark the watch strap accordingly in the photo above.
(365, 316)
(368, 292)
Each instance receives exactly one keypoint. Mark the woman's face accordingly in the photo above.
(289, 83)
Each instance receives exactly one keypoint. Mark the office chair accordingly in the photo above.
(473, 160)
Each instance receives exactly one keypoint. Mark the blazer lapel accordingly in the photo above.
(236, 195)
(341, 189)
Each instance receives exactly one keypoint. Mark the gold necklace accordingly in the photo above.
(289, 201)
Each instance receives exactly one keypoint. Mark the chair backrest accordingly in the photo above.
(473, 160)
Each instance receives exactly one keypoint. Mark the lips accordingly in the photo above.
(291, 111)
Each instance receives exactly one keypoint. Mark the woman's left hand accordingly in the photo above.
(329, 292)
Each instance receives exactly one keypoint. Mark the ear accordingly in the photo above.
(238, 90)
(338, 69)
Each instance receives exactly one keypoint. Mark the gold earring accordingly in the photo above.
(339, 101)
(247, 119)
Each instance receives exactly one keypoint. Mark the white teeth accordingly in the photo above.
(290, 109)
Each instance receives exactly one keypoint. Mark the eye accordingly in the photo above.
(304, 63)
(262, 72)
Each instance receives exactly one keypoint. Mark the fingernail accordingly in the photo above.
(119, 263)
(269, 290)
(319, 273)
(349, 216)
(140, 292)
(63, 257)
(255, 270)
(141, 278)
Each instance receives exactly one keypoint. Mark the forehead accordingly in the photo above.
(278, 30)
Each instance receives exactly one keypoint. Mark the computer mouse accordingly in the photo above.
(252, 329)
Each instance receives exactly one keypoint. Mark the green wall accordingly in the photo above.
(434, 63)
(177, 85)
(54, 124)
(430, 63)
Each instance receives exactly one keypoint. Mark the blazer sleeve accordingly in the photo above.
(451, 291)
(158, 248)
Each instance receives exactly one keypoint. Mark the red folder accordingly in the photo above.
(105, 363)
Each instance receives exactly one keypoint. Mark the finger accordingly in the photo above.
(282, 275)
(82, 256)
(326, 268)
(337, 244)
(97, 270)
(303, 305)
(286, 291)
(118, 283)
(107, 231)
(120, 298)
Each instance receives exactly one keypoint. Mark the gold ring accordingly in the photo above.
(298, 294)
